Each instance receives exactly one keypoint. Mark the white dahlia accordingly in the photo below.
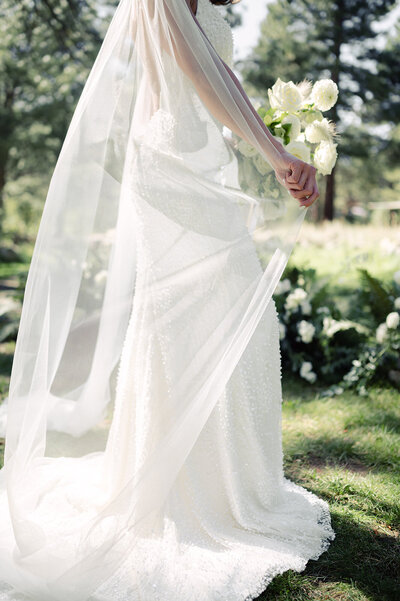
(320, 130)
(325, 156)
(324, 94)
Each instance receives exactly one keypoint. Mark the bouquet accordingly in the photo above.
(295, 118)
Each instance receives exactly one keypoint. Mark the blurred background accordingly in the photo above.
(339, 299)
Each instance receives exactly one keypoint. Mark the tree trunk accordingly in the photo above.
(7, 134)
(335, 76)
(2, 184)
(329, 196)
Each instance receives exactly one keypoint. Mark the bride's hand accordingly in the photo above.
(299, 179)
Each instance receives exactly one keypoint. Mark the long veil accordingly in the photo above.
(144, 226)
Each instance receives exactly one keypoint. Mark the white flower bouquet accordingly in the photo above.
(295, 118)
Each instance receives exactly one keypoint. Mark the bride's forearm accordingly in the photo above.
(215, 95)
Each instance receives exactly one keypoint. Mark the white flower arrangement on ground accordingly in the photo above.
(295, 118)
(307, 373)
(306, 331)
(393, 320)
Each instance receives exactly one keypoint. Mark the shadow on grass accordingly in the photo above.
(387, 419)
(342, 451)
(369, 562)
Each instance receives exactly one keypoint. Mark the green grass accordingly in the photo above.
(346, 450)
(337, 249)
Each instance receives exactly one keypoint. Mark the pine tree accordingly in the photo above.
(46, 50)
(335, 39)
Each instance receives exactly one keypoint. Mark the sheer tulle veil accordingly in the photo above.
(144, 209)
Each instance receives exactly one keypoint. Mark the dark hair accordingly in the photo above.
(225, 1)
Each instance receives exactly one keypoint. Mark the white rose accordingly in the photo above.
(320, 130)
(246, 149)
(381, 333)
(306, 331)
(283, 286)
(396, 277)
(397, 303)
(307, 373)
(324, 94)
(299, 150)
(261, 165)
(306, 307)
(323, 310)
(295, 125)
(250, 174)
(282, 330)
(393, 320)
(330, 326)
(295, 299)
(325, 157)
(285, 96)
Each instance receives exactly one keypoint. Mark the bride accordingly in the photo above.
(143, 456)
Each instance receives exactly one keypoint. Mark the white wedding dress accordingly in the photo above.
(231, 520)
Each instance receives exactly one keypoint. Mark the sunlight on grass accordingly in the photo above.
(345, 450)
(336, 249)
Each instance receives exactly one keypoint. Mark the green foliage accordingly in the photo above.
(10, 311)
(46, 50)
(374, 296)
(339, 39)
(341, 348)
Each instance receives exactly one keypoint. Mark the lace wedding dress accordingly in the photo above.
(231, 520)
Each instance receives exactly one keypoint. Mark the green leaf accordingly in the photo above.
(374, 295)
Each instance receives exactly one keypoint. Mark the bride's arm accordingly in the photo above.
(301, 181)
(219, 89)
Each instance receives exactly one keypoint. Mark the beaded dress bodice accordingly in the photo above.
(217, 29)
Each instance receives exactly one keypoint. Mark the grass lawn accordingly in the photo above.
(336, 249)
(346, 450)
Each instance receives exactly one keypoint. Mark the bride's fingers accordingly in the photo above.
(308, 181)
(296, 170)
(291, 185)
(305, 176)
(299, 194)
(307, 202)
